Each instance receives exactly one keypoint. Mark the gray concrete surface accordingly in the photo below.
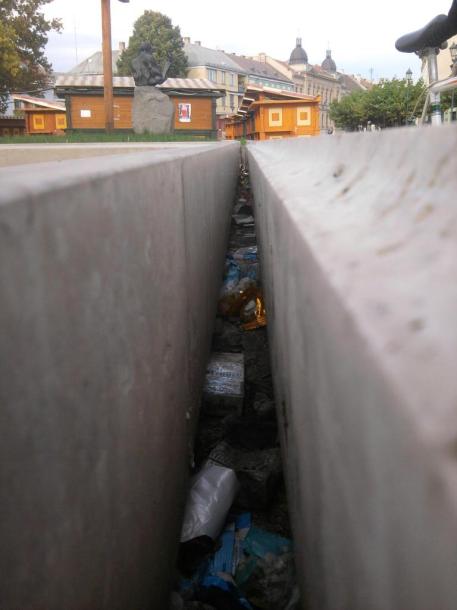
(358, 239)
(109, 275)
(24, 154)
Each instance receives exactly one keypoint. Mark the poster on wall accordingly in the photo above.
(184, 113)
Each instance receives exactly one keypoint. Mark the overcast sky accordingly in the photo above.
(361, 33)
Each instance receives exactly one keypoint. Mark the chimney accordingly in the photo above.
(198, 42)
(186, 39)
(122, 47)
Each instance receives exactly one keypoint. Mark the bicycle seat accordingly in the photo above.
(433, 35)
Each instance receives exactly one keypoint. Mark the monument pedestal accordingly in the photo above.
(152, 111)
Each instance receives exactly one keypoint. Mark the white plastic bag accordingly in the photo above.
(213, 490)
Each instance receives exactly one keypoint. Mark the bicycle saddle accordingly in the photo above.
(433, 35)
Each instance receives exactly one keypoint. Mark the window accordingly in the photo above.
(61, 121)
(275, 117)
(38, 121)
(303, 116)
(232, 102)
(212, 75)
(221, 76)
(231, 78)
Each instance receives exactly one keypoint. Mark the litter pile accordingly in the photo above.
(236, 552)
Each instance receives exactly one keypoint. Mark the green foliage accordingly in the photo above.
(23, 37)
(447, 99)
(166, 39)
(350, 111)
(390, 103)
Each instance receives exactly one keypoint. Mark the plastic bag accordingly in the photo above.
(231, 301)
(271, 581)
(211, 495)
(253, 313)
(248, 254)
(266, 574)
(247, 260)
(231, 277)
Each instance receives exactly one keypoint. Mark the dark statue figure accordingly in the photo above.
(146, 72)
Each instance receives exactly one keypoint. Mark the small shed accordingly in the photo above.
(195, 105)
(12, 126)
(194, 100)
(42, 116)
(266, 114)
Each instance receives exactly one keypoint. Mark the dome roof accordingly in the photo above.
(298, 55)
(328, 64)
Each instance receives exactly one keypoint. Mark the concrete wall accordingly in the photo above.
(358, 238)
(15, 154)
(109, 275)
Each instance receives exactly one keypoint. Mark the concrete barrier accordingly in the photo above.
(109, 274)
(358, 238)
(22, 154)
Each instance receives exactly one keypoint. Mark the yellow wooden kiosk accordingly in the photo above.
(194, 100)
(42, 116)
(267, 114)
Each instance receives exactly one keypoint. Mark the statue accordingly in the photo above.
(152, 109)
(146, 72)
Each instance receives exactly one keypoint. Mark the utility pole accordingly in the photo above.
(107, 65)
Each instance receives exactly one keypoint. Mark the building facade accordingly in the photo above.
(217, 67)
(262, 74)
(271, 114)
(322, 80)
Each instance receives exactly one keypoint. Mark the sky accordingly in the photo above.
(360, 33)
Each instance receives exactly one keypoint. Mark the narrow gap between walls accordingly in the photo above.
(236, 551)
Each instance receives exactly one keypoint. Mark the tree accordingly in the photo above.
(23, 37)
(350, 111)
(390, 103)
(393, 103)
(166, 39)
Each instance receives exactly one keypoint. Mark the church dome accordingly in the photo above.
(298, 55)
(328, 64)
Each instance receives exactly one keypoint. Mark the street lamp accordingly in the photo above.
(409, 76)
(108, 64)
